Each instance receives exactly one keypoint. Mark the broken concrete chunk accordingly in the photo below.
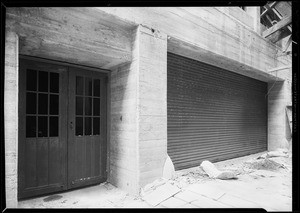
(225, 175)
(213, 172)
(210, 169)
(263, 156)
(169, 169)
(276, 154)
(282, 150)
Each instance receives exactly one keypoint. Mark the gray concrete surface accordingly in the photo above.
(270, 190)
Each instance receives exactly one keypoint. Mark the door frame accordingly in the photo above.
(21, 122)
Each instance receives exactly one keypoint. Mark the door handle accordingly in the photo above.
(71, 125)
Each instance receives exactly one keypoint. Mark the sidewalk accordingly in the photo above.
(191, 188)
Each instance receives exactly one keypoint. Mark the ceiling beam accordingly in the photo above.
(277, 13)
(288, 44)
(268, 8)
(281, 24)
(279, 35)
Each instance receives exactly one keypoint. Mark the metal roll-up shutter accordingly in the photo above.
(213, 114)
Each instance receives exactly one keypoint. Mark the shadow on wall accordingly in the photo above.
(123, 163)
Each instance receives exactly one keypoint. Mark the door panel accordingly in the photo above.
(62, 128)
(87, 131)
(42, 128)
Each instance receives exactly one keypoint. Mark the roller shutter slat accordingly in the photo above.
(213, 114)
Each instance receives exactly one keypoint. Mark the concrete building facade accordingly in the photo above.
(130, 46)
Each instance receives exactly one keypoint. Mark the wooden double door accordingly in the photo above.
(62, 128)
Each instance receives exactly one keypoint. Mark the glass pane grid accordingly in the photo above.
(42, 112)
(87, 99)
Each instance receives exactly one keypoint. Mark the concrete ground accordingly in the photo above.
(191, 188)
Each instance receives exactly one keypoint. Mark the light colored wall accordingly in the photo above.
(208, 30)
(11, 82)
(123, 130)
(152, 104)
(254, 12)
(278, 98)
(138, 146)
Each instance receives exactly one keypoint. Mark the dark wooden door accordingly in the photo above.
(62, 128)
(42, 128)
(87, 129)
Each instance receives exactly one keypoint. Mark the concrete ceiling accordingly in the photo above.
(82, 35)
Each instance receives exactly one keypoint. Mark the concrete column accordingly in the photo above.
(254, 12)
(152, 104)
(138, 146)
(279, 97)
(11, 88)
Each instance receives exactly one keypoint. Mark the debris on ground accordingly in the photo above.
(52, 198)
(277, 153)
(213, 172)
(264, 164)
(161, 193)
(152, 186)
(263, 174)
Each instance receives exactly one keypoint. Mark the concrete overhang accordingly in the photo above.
(193, 51)
(80, 35)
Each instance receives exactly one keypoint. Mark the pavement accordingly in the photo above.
(191, 188)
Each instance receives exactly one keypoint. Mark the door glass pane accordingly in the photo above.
(88, 126)
(79, 126)
(97, 87)
(54, 82)
(54, 104)
(88, 87)
(30, 103)
(79, 85)
(88, 106)
(96, 110)
(43, 104)
(43, 81)
(79, 105)
(30, 126)
(42, 126)
(31, 80)
(53, 126)
(96, 126)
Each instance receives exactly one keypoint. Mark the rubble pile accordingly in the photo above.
(264, 164)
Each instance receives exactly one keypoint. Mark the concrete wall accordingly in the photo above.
(152, 104)
(240, 15)
(209, 31)
(123, 152)
(138, 146)
(11, 78)
(123, 131)
(280, 96)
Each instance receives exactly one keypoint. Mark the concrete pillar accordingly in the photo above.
(138, 130)
(152, 104)
(279, 97)
(254, 12)
(11, 88)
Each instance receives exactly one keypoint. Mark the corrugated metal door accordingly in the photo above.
(213, 114)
